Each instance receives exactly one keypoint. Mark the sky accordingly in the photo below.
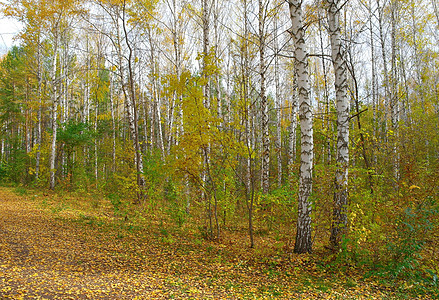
(8, 29)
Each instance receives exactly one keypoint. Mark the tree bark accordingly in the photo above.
(326, 98)
(339, 217)
(113, 125)
(264, 103)
(278, 104)
(303, 236)
(292, 132)
(39, 113)
(54, 83)
(130, 106)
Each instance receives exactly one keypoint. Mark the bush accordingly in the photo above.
(414, 227)
(3, 172)
(175, 210)
(392, 249)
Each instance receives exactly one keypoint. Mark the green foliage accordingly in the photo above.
(3, 171)
(391, 248)
(200, 171)
(156, 174)
(13, 92)
(273, 209)
(21, 191)
(74, 134)
(119, 206)
(16, 169)
(12, 86)
(175, 207)
(414, 226)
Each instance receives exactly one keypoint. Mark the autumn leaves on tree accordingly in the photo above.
(264, 113)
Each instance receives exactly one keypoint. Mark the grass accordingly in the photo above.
(194, 265)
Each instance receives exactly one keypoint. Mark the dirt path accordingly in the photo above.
(42, 257)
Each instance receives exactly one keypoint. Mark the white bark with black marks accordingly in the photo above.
(264, 102)
(54, 83)
(339, 221)
(303, 236)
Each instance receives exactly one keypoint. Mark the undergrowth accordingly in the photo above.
(397, 257)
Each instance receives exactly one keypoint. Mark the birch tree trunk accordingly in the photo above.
(303, 236)
(206, 102)
(394, 101)
(206, 50)
(373, 79)
(121, 34)
(86, 104)
(131, 109)
(326, 97)
(54, 83)
(39, 113)
(264, 105)
(156, 105)
(387, 93)
(113, 125)
(292, 133)
(339, 217)
(207, 174)
(245, 121)
(278, 104)
(96, 146)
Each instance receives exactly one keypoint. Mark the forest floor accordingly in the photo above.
(52, 249)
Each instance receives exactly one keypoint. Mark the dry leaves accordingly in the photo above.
(48, 254)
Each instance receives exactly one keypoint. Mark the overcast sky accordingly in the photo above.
(8, 29)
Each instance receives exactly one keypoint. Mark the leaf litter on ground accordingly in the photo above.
(56, 248)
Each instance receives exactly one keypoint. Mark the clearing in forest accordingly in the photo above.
(49, 250)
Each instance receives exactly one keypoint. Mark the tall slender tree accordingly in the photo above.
(339, 222)
(303, 236)
(262, 16)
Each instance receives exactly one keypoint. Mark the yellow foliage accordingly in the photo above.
(105, 116)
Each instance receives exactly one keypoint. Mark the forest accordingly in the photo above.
(310, 128)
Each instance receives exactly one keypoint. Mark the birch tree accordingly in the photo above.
(131, 104)
(54, 100)
(262, 15)
(303, 236)
(278, 106)
(125, 52)
(339, 221)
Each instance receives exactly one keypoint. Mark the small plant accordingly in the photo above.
(350, 283)
(20, 191)
(166, 237)
(44, 203)
(175, 210)
(163, 231)
(3, 172)
(59, 208)
(119, 207)
(90, 220)
(177, 214)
